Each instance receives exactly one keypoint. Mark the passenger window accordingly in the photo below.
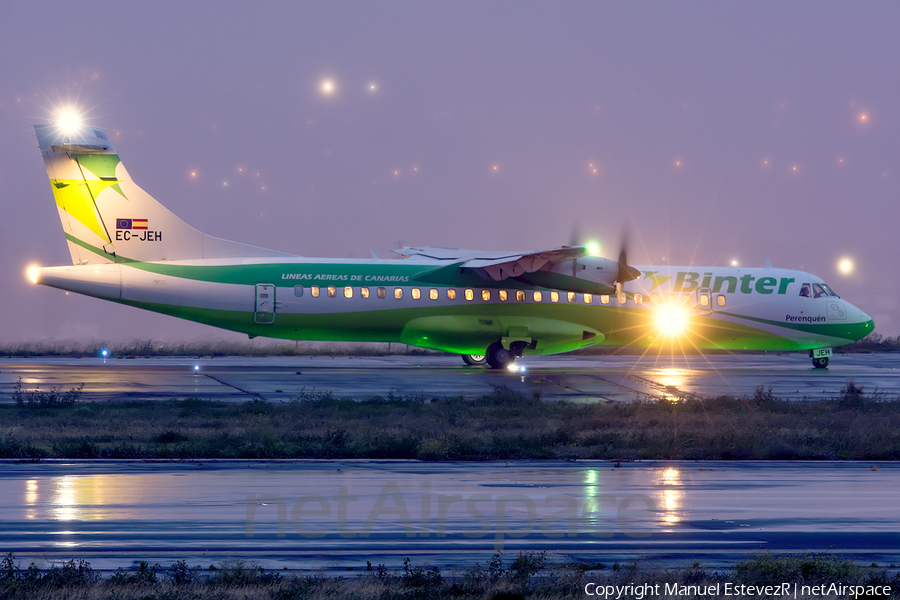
(806, 290)
(621, 297)
(638, 299)
(451, 294)
(503, 295)
(298, 291)
(588, 298)
(654, 298)
(364, 292)
(818, 292)
(554, 296)
(398, 293)
(520, 295)
(670, 298)
(332, 291)
(570, 296)
(470, 295)
(381, 293)
(685, 299)
(704, 300)
(604, 299)
(314, 290)
(416, 294)
(537, 296)
(348, 292)
(485, 295)
(433, 294)
(720, 299)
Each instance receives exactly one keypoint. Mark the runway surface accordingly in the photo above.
(335, 515)
(578, 378)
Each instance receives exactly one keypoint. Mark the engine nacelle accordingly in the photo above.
(586, 275)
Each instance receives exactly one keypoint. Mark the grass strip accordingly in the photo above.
(502, 425)
(528, 575)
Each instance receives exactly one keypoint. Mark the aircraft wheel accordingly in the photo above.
(820, 363)
(474, 360)
(499, 357)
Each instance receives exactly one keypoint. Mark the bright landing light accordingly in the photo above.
(68, 120)
(671, 319)
(845, 266)
(593, 248)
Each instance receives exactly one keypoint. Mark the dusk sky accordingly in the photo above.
(711, 131)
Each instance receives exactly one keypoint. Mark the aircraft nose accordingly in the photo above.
(866, 323)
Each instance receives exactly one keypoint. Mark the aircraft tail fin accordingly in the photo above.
(107, 218)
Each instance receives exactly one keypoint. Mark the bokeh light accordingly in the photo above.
(328, 87)
(845, 266)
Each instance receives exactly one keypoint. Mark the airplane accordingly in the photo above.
(488, 306)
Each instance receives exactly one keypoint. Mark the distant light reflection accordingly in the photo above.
(590, 483)
(31, 498)
(65, 498)
(31, 492)
(671, 496)
(672, 380)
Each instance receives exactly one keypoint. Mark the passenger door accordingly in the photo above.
(265, 304)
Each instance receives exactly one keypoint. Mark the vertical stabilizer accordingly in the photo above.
(107, 218)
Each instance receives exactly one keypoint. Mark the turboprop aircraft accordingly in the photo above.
(487, 306)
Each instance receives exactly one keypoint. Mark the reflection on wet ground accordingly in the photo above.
(578, 378)
(335, 515)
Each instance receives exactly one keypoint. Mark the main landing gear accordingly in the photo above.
(496, 356)
(474, 360)
(499, 357)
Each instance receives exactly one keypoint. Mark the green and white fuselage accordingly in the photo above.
(128, 248)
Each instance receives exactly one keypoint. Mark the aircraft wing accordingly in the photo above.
(500, 265)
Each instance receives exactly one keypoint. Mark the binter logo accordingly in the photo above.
(136, 229)
(746, 284)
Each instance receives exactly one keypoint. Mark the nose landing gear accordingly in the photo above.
(820, 357)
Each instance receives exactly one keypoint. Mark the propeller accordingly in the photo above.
(625, 272)
(574, 241)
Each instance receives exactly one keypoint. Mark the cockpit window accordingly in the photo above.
(819, 291)
(829, 291)
(806, 290)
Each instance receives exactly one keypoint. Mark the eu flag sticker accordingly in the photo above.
(123, 223)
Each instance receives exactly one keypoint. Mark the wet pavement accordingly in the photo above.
(578, 378)
(333, 516)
